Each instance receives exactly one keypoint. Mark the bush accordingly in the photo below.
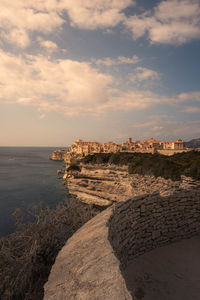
(27, 255)
(186, 163)
(74, 167)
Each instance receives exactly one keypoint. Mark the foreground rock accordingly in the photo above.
(93, 262)
(86, 268)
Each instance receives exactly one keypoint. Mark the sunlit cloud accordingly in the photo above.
(49, 46)
(92, 14)
(118, 61)
(142, 73)
(72, 87)
(19, 18)
(170, 22)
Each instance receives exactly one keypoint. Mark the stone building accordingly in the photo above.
(177, 145)
(82, 148)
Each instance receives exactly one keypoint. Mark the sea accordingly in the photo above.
(27, 177)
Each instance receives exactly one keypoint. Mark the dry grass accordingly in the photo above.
(27, 255)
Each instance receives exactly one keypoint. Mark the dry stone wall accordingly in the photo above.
(147, 222)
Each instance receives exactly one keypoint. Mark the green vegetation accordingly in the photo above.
(27, 255)
(186, 163)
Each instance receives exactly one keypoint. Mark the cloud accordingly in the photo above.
(64, 85)
(49, 46)
(73, 88)
(118, 61)
(92, 14)
(133, 100)
(144, 74)
(191, 96)
(18, 18)
(19, 37)
(170, 22)
(191, 110)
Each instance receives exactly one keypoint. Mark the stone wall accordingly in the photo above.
(170, 152)
(147, 222)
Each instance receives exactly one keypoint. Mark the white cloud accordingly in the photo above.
(18, 37)
(48, 45)
(65, 86)
(118, 61)
(20, 17)
(171, 22)
(133, 99)
(144, 74)
(92, 14)
(72, 87)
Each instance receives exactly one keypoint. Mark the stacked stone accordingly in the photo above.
(147, 222)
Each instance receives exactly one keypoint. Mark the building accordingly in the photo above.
(177, 145)
(82, 148)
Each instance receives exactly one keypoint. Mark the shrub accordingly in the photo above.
(74, 167)
(27, 255)
(186, 163)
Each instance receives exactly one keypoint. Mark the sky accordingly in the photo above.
(98, 70)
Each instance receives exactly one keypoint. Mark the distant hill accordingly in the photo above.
(195, 143)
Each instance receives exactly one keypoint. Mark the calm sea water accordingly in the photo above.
(27, 176)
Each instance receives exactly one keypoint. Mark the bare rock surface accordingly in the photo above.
(95, 261)
(168, 273)
(86, 268)
(105, 184)
(58, 155)
(100, 184)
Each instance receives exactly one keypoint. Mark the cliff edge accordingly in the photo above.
(92, 263)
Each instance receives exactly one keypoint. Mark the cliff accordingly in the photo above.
(58, 155)
(99, 184)
(106, 184)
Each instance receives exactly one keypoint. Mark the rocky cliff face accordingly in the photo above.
(100, 184)
(105, 184)
(62, 155)
(58, 155)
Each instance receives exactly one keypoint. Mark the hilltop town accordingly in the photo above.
(82, 148)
